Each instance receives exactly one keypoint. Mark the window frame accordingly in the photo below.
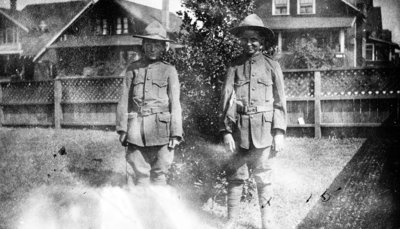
(373, 57)
(299, 9)
(274, 8)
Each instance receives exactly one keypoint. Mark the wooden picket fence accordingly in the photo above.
(316, 99)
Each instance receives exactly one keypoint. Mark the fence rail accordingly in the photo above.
(315, 99)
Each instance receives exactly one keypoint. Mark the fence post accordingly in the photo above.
(1, 106)
(57, 103)
(317, 104)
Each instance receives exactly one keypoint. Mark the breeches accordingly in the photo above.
(150, 164)
(258, 161)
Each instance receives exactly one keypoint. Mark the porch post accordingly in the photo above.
(1, 106)
(342, 41)
(317, 104)
(279, 41)
(57, 103)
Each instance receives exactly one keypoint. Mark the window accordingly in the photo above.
(9, 36)
(280, 7)
(125, 30)
(105, 27)
(122, 26)
(119, 26)
(369, 52)
(306, 6)
(98, 27)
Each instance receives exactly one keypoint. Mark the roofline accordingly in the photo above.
(92, 2)
(354, 22)
(14, 21)
(351, 5)
(395, 45)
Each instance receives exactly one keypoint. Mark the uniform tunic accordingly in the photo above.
(149, 109)
(254, 84)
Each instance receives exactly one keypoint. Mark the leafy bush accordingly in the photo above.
(307, 54)
(202, 64)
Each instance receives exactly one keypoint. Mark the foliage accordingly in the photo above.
(307, 54)
(202, 64)
(209, 48)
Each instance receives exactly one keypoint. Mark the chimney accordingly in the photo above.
(13, 5)
(165, 14)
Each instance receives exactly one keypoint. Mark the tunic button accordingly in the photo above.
(252, 61)
(253, 88)
(253, 75)
(147, 90)
(251, 116)
(148, 78)
(251, 103)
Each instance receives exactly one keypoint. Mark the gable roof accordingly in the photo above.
(141, 15)
(54, 15)
(147, 15)
(9, 15)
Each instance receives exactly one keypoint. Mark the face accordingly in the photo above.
(153, 49)
(252, 42)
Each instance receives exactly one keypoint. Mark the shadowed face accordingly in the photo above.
(252, 42)
(153, 49)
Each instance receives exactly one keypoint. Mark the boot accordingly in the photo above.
(265, 194)
(234, 195)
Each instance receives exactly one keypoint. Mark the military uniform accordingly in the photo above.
(149, 112)
(253, 109)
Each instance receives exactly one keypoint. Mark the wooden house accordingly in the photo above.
(91, 38)
(25, 34)
(99, 40)
(340, 25)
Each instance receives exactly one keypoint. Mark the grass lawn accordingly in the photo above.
(35, 157)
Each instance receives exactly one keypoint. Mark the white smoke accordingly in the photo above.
(66, 207)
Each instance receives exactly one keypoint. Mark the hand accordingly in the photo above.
(229, 142)
(173, 142)
(278, 142)
(122, 138)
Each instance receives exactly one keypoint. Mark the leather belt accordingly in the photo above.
(145, 111)
(253, 109)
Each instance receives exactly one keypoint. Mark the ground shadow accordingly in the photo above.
(366, 193)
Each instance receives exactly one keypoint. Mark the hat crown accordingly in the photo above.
(252, 20)
(155, 28)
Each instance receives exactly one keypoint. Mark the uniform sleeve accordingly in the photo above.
(122, 107)
(280, 111)
(227, 102)
(175, 105)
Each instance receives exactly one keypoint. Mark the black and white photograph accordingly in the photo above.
(199, 114)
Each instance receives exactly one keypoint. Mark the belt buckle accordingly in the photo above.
(145, 111)
(251, 109)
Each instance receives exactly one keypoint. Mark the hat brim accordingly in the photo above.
(265, 32)
(153, 37)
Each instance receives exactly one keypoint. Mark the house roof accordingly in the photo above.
(389, 43)
(147, 15)
(11, 16)
(139, 13)
(286, 23)
(93, 41)
(54, 15)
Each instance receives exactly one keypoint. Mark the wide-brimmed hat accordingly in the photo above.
(154, 31)
(253, 22)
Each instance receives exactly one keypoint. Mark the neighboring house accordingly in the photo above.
(379, 48)
(75, 38)
(338, 24)
(25, 34)
(99, 40)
